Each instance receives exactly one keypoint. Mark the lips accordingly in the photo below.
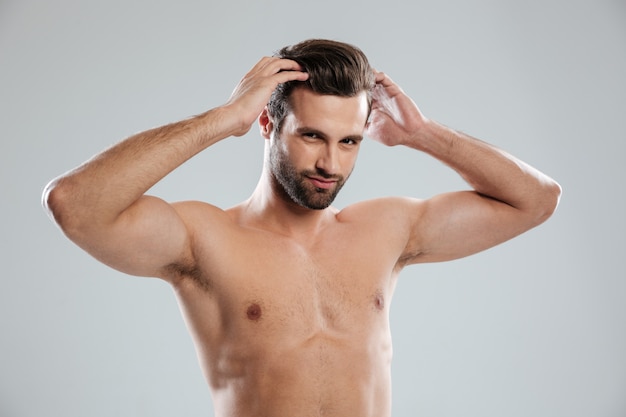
(322, 182)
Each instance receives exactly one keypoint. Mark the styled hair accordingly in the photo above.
(334, 68)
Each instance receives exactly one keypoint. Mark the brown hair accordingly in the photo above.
(335, 68)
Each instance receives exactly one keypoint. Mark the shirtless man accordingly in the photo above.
(287, 298)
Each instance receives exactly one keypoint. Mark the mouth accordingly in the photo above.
(322, 183)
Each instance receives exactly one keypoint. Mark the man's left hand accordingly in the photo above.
(395, 119)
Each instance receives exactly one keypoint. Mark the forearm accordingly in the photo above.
(103, 187)
(489, 171)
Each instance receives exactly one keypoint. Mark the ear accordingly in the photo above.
(266, 124)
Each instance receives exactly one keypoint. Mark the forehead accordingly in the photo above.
(329, 113)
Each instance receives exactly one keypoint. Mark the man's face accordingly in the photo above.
(316, 150)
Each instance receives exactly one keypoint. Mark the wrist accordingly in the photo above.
(219, 123)
(426, 136)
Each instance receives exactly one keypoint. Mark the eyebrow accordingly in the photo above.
(305, 129)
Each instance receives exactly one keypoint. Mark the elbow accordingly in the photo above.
(554, 192)
(549, 201)
(56, 201)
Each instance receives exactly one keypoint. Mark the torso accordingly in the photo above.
(284, 327)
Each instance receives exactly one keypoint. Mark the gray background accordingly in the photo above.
(535, 327)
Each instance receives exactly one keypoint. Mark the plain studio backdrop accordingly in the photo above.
(535, 327)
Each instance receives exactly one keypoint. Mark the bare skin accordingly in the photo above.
(289, 306)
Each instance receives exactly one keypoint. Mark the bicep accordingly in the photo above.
(143, 240)
(458, 224)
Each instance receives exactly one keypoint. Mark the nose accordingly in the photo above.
(328, 160)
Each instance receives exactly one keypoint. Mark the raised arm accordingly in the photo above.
(509, 197)
(101, 205)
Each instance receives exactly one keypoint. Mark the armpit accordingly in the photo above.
(177, 271)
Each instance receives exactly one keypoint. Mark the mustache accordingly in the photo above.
(322, 173)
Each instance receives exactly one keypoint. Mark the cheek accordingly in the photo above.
(349, 160)
(302, 154)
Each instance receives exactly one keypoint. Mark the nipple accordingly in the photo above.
(254, 312)
(379, 301)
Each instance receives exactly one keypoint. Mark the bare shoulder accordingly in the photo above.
(391, 219)
(383, 210)
(196, 213)
(206, 227)
(391, 222)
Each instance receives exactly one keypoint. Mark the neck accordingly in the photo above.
(270, 208)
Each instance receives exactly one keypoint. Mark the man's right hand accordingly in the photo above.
(254, 90)
(101, 206)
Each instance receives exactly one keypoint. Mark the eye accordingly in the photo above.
(311, 135)
(351, 141)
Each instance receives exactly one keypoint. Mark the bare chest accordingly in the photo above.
(336, 286)
(325, 286)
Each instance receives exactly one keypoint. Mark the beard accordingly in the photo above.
(297, 187)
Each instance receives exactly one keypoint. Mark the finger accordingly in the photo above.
(384, 80)
(276, 71)
(378, 76)
(262, 63)
(274, 65)
(284, 70)
(387, 87)
(289, 64)
(268, 66)
(286, 76)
